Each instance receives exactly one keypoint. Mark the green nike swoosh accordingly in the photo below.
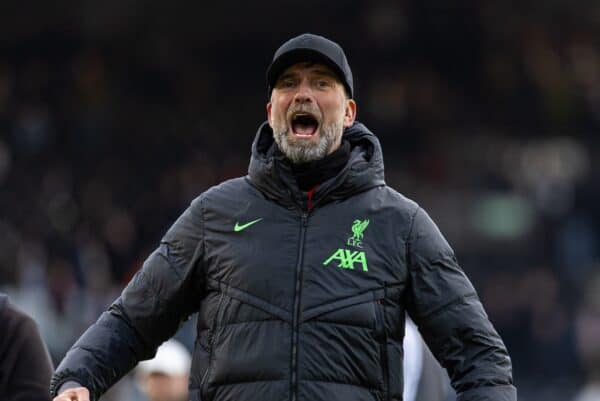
(241, 227)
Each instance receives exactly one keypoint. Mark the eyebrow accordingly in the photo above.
(322, 71)
(286, 76)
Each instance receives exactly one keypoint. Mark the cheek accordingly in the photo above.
(279, 103)
(278, 111)
(333, 110)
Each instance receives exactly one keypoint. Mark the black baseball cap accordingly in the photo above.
(310, 47)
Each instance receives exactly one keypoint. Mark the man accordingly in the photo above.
(165, 377)
(301, 271)
(25, 366)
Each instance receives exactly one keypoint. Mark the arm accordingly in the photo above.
(451, 319)
(167, 289)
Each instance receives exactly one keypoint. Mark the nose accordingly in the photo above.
(304, 93)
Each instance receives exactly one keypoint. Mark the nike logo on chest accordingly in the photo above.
(239, 227)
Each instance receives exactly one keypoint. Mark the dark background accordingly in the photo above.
(114, 115)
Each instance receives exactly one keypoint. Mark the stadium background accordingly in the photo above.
(114, 115)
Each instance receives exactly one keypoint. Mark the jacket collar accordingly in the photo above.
(274, 177)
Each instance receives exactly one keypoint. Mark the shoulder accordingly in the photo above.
(20, 331)
(226, 189)
(401, 207)
(400, 201)
(25, 355)
(235, 190)
(15, 322)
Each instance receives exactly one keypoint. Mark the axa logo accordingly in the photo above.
(346, 258)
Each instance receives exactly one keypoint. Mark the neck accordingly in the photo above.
(311, 174)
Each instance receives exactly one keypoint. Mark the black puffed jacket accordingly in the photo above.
(297, 302)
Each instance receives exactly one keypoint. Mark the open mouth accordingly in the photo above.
(304, 124)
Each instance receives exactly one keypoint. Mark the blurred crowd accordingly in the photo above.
(115, 115)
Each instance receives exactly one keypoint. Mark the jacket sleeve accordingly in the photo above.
(445, 307)
(162, 294)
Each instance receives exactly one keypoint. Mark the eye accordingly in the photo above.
(323, 83)
(287, 83)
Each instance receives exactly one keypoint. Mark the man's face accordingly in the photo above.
(308, 112)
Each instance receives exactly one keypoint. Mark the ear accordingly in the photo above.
(349, 113)
(269, 113)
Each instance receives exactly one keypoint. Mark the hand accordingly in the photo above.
(74, 394)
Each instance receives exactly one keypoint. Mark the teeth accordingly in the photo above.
(299, 115)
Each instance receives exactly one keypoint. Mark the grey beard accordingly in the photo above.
(299, 152)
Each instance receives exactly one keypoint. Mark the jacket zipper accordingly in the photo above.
(382, 340)
(295, 329)
(211, 342)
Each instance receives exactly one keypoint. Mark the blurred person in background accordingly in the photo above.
(165, 377)
(25, 366)
(588, 340)
(301, 271)
(424, 378)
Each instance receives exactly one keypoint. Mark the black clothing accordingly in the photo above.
(25, 366)
(309, 175)
(296, 304)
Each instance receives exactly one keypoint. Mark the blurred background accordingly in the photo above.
(114, 115)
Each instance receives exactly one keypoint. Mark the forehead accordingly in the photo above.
(308, 67)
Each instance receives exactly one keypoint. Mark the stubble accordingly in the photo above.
(299, 150)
